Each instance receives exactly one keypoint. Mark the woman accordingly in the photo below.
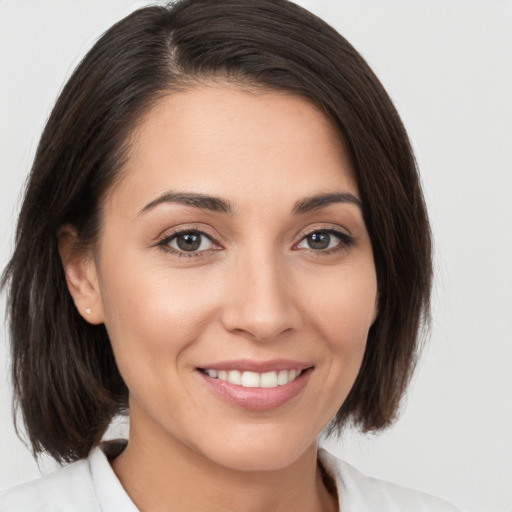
(232, 244)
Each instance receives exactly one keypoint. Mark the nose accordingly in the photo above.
(261, 303)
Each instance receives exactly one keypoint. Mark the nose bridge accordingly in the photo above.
(262, 303)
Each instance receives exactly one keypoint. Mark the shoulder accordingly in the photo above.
(68, 489)
(357, 491)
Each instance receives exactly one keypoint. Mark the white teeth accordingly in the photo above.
(234, 377)
(254, 379)
(250, 380)
(282, 377)
(268, 380)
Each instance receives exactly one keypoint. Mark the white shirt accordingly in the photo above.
(90, 485)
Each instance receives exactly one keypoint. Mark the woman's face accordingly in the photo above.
(235, 275)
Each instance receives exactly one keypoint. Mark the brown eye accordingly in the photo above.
(320, 240)
(325, 240)
(190, 241)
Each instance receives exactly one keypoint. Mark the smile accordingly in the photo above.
(257, 386)
(249, 379)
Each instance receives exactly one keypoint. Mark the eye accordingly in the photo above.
(324, 240)
(188, 242)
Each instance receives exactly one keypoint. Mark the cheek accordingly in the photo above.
(344, 308)
(343, 314)
(153, 315)
(339, 311)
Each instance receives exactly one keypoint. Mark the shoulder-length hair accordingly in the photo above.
(66, 382)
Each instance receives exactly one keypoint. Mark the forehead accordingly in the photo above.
(224, 140)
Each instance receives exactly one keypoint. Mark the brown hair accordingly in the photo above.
(66, 382)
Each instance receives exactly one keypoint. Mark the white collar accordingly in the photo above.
(110, 493)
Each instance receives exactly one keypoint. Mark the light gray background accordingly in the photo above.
(448, 66)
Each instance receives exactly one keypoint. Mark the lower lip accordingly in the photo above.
(257, 399)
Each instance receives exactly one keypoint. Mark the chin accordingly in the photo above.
(259, 452)
(247, 460)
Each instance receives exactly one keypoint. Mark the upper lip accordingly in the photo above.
(251, 365)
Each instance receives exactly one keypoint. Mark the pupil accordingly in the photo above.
(189, 241)
(319, 240)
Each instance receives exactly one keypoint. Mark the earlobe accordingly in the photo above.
(81, 276)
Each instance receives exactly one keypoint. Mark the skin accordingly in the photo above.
(258, 291)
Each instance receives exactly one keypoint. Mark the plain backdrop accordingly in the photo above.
(448, 66)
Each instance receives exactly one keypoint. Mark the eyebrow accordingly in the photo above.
(322, 200)
(196, 200)
(216, 204)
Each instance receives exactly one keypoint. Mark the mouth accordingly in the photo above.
(249, 379)
(257, 386)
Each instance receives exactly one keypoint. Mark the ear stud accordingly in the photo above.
(88, 311)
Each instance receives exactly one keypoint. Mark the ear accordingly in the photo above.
(81, 276)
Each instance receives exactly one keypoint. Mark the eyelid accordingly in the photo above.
(185, 228)
(163, 239)
(334, 228)
(346, 239)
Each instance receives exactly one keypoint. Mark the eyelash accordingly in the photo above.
(345, 241)
(165, 241)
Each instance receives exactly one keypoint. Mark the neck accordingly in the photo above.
(168, 475)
